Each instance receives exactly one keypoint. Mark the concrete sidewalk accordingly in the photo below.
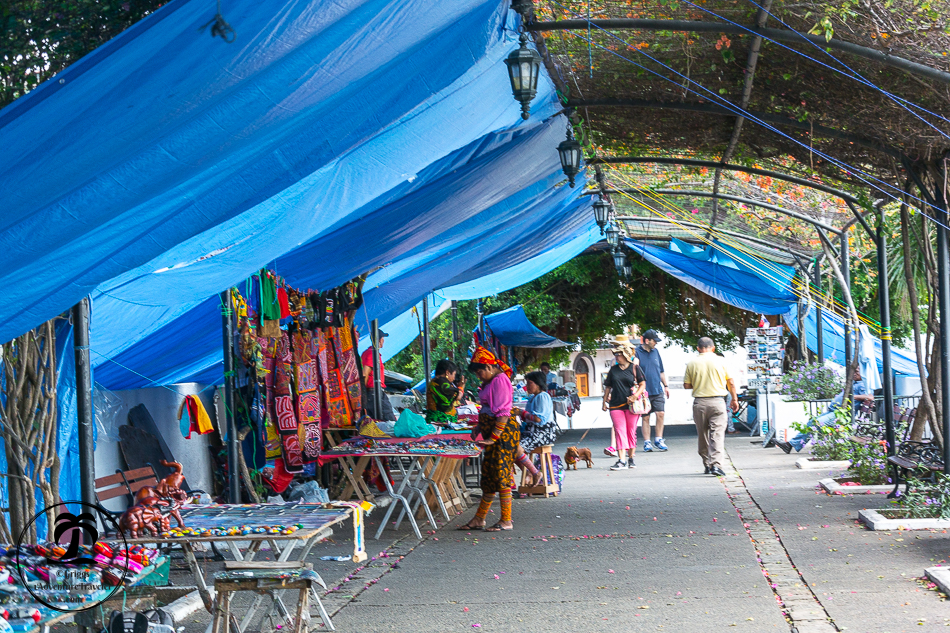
(664, 547)
(660, 547)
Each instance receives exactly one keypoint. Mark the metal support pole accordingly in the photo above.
(800, 334)
(377, 369)
(455, 326)
(227, 323)
(943, 285)
(84, 406)
(846, 273)
(481, 323)
(818, 320)
(885, 299)
(426, 350)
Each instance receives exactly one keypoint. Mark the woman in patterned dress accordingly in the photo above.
(498, 433)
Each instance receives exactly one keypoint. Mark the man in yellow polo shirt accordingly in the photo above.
(708, 377)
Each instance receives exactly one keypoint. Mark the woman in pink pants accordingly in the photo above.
(625, 382)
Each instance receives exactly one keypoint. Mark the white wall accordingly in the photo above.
(163, 405)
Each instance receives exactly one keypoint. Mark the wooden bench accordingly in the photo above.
(866, 428)
(124, 483)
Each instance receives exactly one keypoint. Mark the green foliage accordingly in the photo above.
(832, 441)
(811, 382)
(869, 463)
(42, 37)
(926, 500)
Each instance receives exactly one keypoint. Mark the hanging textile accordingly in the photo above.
(193, 417)
(308, 398)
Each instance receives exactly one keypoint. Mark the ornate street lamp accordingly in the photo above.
(600, 213)
(524, 67)
(628, 269)
(620, 260)
(613, 235)
(569, 151)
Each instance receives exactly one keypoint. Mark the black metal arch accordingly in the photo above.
(693, 162)
(792, 253)
(713, 108)
(781, 35)
(726, 196)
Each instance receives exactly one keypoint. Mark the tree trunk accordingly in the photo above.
(926, 412)
(849, 371)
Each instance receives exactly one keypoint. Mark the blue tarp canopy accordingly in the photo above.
(325, 142)
(832, 338)
(512, 328)
(168, 164)
(725, 273)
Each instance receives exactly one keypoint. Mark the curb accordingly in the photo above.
(185, 606)
(807, 464)
(940, 576)
(833, 487)
(878, 522)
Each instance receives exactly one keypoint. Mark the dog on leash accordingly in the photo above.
(574, 455)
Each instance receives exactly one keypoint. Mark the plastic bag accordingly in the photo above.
(308, 492)
(412, 424)
(107, 406)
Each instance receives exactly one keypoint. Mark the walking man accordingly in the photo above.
(657, 387)
(708, 377)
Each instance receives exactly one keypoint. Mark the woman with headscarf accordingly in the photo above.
(537, 426)
(624, 383)
(498, 433)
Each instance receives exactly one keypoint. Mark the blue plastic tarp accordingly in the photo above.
(832, 339)
(726, 274)
(467, 221)
(403, 329)
(168, 164)
(512, 328)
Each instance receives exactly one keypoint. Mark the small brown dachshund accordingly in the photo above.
(574, 455)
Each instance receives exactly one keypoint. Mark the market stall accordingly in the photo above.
(417, 461)
(291, 530)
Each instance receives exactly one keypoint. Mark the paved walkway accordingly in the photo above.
(661, 547)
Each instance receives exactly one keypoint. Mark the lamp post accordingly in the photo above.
(627, 270)
(620, 260)
(524, 68)
(601, 210)
(569, 151)
(613, 235)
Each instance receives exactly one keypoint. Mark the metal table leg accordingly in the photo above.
(397, 497)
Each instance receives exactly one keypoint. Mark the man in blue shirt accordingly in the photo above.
(550, 375)
(657, 386)
(860, 393)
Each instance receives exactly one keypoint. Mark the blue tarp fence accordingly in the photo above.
(833, 340)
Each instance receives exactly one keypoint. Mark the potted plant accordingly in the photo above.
(832, 446)
(801, 384)
(867, 473)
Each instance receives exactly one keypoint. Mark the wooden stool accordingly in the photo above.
(266, 579)
(547, 469)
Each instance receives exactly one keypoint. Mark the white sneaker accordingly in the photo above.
(620, 465)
